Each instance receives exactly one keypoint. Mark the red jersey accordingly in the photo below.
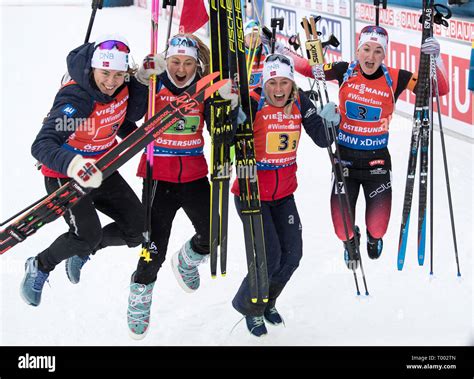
(178, 152)
(276, 137)
(95, 135)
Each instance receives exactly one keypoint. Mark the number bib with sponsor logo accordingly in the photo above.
(185, 137)
(366, 108)
(276, 137)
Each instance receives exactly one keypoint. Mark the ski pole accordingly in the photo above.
(431, 142)
(149, 185)
(275, 23)
(446, 171)
(377, 9)
(172, 4)
(96, 4)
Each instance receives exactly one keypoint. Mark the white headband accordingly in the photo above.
(378, 38)
(182, 50)
(110, 60)
(276, 68)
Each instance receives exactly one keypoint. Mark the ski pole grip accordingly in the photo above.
(97, 4)
(169, 2)
(314, 48)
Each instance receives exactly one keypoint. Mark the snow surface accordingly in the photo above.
(319, 305)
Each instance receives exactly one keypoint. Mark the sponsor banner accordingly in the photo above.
(327, 25)
(336, 7)
(407, 19)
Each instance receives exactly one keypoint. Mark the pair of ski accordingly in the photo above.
(315, 55)
(228, 56)
(422, 131)
(57, 203)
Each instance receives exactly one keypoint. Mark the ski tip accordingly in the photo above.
(254, 300)
(214, 87)
(400, 265)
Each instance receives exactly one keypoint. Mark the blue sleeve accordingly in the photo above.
(70, 106)
(137, 101)
(312, 122)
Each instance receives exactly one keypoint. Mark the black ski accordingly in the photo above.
(54, 205)
(420, 132)
(221, 131)
(246, 165)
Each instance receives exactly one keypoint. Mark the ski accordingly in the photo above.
(245, 161)
(420, 131)
(424, 141)
(58, 202)
(221, 130)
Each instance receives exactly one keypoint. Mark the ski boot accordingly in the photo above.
(272, 316)
(185, 264)
(138, 311)
(33, 282)
(351, 251)
(256, 325)
(374, 246)
(74, 266)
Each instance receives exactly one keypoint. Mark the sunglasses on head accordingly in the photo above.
(278, 57)
(374, 29)
(109, 45)
(182, 41)
(253, 24)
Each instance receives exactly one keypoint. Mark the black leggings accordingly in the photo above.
(194, 199)
(114, 198)
(370, 170)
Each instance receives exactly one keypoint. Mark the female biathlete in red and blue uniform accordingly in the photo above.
(179, 179)
(280, 112)
(101, 101)
(368, 91)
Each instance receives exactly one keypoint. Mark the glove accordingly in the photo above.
(226, 93)
(241, 116)
(431, 47)
(152, 65)
(85, 172)
(331, 114)
(265, 39)
(318, 71)
(279, 47)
